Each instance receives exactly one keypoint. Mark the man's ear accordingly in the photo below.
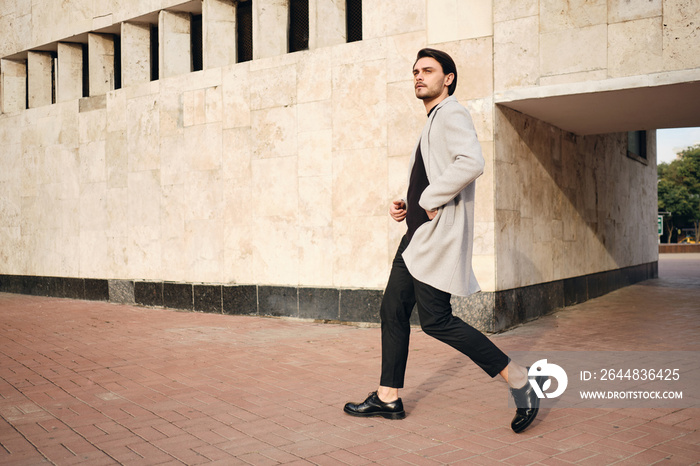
(449, 78)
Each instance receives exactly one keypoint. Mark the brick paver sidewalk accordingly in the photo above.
(98, 383)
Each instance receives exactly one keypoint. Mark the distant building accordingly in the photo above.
(240, 157)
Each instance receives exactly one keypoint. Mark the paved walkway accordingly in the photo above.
(99, 383)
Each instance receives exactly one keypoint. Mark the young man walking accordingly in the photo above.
(433, 260)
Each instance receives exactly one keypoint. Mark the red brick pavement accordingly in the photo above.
(99, 383)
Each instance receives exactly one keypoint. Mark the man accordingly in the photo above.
(433, 260)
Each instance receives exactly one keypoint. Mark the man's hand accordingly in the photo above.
(431, 213)
(397, 210)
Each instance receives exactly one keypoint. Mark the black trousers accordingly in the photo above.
(402, 293)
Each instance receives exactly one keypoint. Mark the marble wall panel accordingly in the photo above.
(484, 196)
(69, 84)
(40, 87)
(315, 156)
(204, 146)
(204, 195)
(238, 234)
(326, 23)
(505, 10)
(136, 53)
(560, 15)
(144, 199)
(218, 31)
(359, 182)
(275, 250)
(93, 207)
(175, 55)
(204, 248)
(101, 63)
(622, 10)
(315, 201)
(635, 47)
(275, 193)
(214, 104)
(451, 20)
(359, 105)
(236, 156)
(144, 251)
(273, 87)
(681, 34)
(574, 50)
(13, 82)
(176, 155)
(313, 76)
(143, 130)
(516, 53)
(92, 162)
(391, 17)
(360, 255)
(270, 24)
(315, 248)
(314, 116)
(274, 132)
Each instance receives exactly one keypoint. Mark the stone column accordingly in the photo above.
(13, 80)
(326, 23)
(219, 33)
(270, 26)
(39, 69)
(69, 83)
(101, 63)
(175, 54)
(136, 53)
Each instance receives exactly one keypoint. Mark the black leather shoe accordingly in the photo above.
(373, 406)
(527, 404)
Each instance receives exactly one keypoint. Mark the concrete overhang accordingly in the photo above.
(655, 101)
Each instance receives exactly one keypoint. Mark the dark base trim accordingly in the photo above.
(487, 311)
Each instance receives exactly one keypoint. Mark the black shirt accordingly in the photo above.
(415, 214)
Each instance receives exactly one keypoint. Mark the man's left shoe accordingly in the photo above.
(527, 403)
(373, 406)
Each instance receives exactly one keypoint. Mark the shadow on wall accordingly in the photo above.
(568, 205)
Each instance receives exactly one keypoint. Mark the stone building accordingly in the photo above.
(239, 156)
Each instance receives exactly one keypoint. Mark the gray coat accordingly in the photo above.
(440, 252)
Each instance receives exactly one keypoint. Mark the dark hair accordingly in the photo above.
(448, 65)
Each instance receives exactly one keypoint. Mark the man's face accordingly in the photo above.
(429, 80)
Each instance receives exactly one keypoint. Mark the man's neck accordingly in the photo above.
(432, 103)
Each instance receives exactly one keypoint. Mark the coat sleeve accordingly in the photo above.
(462, 152)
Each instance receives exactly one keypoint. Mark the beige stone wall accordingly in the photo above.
(277, 171)
(280, 170)
(570, 41)
(569, 205)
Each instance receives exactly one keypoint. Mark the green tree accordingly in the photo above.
(679, 191)
(674, 199)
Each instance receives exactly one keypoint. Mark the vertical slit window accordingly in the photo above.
(353, 20)
(86, 72)
(244, 31)
(26, 83)
(154, 53)
(54, 77)
(637, 145)
(298, 25)
(117, 62)
(197, 43)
